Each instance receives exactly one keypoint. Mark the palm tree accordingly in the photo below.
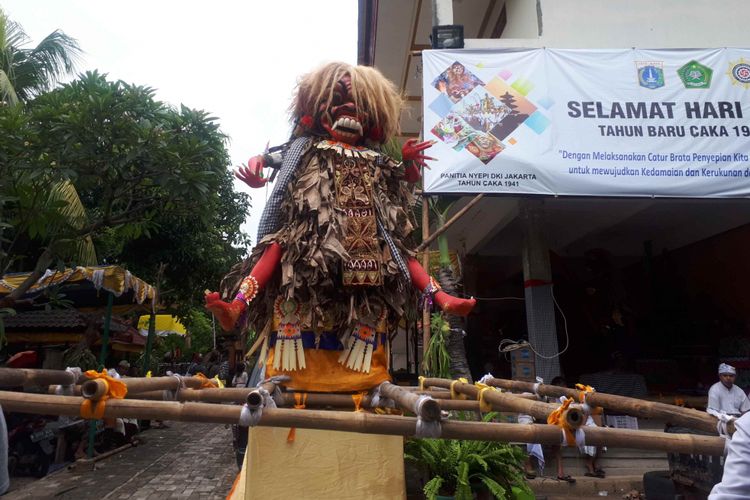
(28, 72)
(459, 365)
(24, 74)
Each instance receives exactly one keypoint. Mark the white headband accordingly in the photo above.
(725, 368)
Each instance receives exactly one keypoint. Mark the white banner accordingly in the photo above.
(588, 122)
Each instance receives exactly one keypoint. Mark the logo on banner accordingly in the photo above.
(740, 73)
(694, 75)
(650, 74)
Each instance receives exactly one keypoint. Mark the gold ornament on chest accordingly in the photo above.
(354, 197)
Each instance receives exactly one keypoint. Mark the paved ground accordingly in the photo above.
(187, 461)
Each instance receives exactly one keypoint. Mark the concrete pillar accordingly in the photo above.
(537, 275)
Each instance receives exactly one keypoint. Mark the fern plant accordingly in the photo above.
(459, 467)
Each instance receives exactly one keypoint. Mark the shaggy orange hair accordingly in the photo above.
(372, 93)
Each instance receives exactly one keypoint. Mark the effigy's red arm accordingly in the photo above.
(229, 312)
(427, 285)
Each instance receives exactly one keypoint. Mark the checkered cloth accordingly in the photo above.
(269, 221)
(394, 250)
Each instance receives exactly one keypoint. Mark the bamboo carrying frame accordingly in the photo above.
(427, 405)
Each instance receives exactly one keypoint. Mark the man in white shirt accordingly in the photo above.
(726, 399)
(735, 483)
(4, 478)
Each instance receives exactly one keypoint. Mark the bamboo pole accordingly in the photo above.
(255, 397)
(676, 415)
(26, 377)
(142, 384)
(443, 394)
(428, 409)
(101, 456)
(94, 388)
(502, 401)
(314, 400)
(362, 422)
(426, 241)
(426, 266)
(679, 400)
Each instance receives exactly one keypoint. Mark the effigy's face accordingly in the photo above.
(340, 117)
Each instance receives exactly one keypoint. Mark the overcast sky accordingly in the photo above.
(239, 60)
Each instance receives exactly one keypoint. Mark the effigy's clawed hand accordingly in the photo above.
(412, 150)
(252, 174)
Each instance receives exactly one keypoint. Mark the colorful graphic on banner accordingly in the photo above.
(456, 82)
(481, 115)
(583, 122)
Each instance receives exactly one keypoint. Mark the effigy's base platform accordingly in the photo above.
(322, 464)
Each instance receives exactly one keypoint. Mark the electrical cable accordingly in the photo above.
(499, 298)
(508, 345)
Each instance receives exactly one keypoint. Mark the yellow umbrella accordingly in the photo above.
(165, 325)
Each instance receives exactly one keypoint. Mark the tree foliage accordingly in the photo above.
(195, 249)
(201, 331)
(152, 180)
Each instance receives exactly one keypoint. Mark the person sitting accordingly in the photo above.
(123, 368)
(196, 365)
(240, 376)
(726, 401)
(592, 453)
(123, 431)
(557, 449)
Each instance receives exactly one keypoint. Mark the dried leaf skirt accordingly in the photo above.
(339, 288)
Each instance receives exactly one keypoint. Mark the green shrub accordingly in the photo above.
(437, 361)
(458, 467)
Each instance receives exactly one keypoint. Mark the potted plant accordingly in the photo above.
(460, 468)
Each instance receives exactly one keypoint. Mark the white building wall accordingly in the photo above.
(624, 23)
(525, 22)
